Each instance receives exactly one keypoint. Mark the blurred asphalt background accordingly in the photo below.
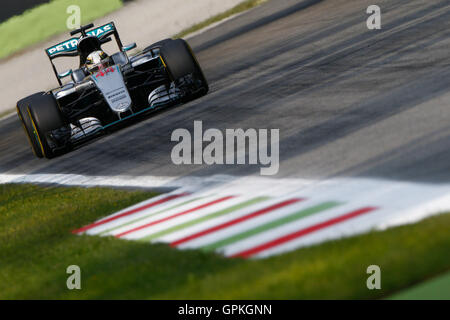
(348, 101)
(12, 8)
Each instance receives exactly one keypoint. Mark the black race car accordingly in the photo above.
(106, 90)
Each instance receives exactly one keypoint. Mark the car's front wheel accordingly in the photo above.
(45, 117)
(24, 117)
(180, 61)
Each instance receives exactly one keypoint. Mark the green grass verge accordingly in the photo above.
(36, 246)
(437, 288)
(243, 6)
(47, 20)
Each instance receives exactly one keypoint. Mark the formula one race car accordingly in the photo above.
(105, 91)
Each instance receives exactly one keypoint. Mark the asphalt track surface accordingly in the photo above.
(12, 8)
(349, 102)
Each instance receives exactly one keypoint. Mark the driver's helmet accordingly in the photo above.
(94, 60)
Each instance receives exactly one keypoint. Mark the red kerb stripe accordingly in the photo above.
(173, 216)
(129, 212)
(303, 232)
(235, 221)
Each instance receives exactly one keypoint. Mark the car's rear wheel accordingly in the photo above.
(45, 117)
(180, 62)
(22, 112)
(157, 44)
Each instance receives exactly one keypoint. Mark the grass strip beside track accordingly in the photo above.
(437, 288)
(36, 247)
(243, 6)
(46, 20)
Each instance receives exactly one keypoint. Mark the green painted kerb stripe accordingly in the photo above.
(204, 218)
(285, 220)
(150, 215)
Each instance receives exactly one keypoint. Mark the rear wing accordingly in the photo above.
(69, 48)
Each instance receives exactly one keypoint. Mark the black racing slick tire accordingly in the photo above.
(45, 116)
(180, 61)
(157, 44)
(24, 117)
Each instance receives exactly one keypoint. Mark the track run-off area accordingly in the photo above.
(363, 117)
(252, 216)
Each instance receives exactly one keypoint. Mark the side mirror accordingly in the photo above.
(65, 74)
(129, 47)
